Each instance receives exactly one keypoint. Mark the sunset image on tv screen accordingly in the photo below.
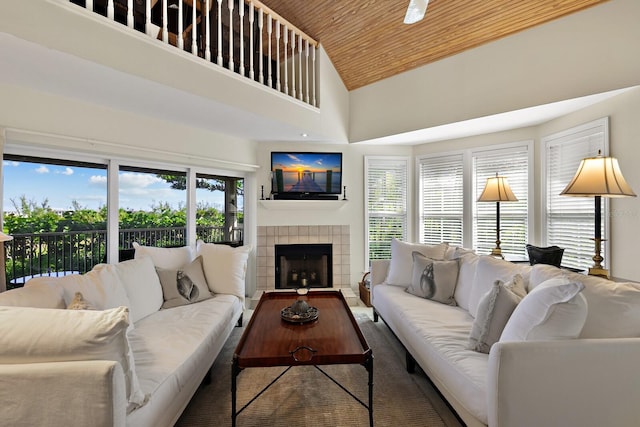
(306, 172)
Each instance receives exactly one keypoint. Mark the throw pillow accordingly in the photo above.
(467, 265)
(401, 266)
(171, 258)
(432, 279)
(554, 310)
(489, 270)
(37, 335)
(224, 267)
(79, 303)
(140, 281)
(494, 311)
(184, 286)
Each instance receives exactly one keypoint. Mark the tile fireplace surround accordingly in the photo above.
(337, 235)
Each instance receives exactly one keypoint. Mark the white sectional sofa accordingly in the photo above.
(566, 362)
(134, 352)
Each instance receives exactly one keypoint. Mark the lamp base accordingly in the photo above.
(497, 252)
(599, 271)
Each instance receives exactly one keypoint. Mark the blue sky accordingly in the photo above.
(88, 186)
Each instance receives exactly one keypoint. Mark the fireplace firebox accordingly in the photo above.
(303, 265)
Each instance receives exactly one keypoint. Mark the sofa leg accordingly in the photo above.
(239, 325)
(375, 315)
(411, 363)
(207, 378)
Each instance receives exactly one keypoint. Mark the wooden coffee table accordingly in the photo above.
(333, 338)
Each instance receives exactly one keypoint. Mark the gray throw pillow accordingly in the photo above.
(184, 286)
(494, 310)
(432, 279)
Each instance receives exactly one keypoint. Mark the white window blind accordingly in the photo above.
(386, 182)
(570, 220)
(513, 163)
(441, 199)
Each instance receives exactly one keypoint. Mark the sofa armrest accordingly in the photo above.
(564, 383)
(379, 268)
(80, 393)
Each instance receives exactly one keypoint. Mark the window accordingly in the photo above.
(56, 212)
(513, 163)
(385, 204)
(61, 207)
(152, 207)
(569, 221)
(219, 208)
(441, 199)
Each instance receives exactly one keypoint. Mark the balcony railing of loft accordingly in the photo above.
(271, 51)
(61, 253)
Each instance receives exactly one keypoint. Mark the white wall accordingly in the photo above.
(588, 52)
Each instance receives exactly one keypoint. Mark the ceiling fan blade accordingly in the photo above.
(415, 11)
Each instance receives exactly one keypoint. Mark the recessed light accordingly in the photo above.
(304, 135)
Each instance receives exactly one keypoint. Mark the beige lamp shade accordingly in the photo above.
(497, 190)
(5, 237)
(598, 176)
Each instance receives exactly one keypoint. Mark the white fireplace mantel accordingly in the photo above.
(303, 204)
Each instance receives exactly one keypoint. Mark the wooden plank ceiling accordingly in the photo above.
(367, 40)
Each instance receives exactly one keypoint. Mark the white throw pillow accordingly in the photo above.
(489, 270)
(494, 311)
(184, 286)
(554, 310)
(401, 266)
(142, 285)
(225, 267)
(434, 280)
(37, 335)
(171, 258)
(466, 276)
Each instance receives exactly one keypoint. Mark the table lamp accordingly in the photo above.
(598, 177)
(497, 190)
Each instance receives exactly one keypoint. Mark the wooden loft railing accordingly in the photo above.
(243, 36)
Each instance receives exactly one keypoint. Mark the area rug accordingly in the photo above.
(305, 397)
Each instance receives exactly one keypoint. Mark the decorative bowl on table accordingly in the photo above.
(299, 312)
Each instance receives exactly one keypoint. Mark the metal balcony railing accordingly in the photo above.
(243, 36)
(61, 253)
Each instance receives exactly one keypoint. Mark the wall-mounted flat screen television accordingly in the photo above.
(306, 173)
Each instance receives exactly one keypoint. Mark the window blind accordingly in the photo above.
(441, 199)
(570, 220)
(386, 204)
(513, 163)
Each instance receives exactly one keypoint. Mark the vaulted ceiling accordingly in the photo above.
(367, 41)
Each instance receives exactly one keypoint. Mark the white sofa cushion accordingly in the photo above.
(401, 267)
(489, 270)
(101, 287)
(225, 267)
(172, 258)
(36, 335)
(142, 285)
(35, 293)
(432, 279)
(466, 276)
(184, 286)
(494, 311)
(614, 307)
(553, 310)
